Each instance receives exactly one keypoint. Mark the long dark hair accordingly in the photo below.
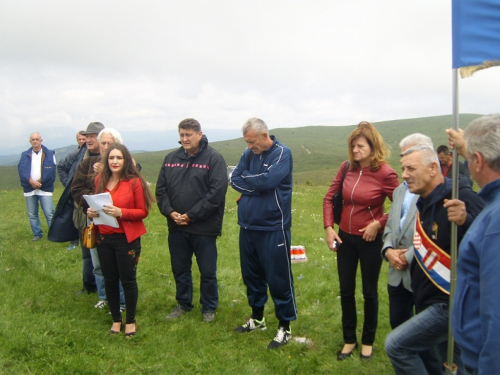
(129, 172)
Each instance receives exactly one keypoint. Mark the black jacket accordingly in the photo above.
(62, 228)
(194, 185)
(434, 219)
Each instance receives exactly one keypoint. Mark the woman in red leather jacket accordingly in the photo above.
(367, 183)
(119, 248)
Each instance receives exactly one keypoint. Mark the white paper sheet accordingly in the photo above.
(97, 202)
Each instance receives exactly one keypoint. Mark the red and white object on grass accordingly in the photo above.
(298, 254)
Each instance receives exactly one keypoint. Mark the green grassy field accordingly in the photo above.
(46, 329)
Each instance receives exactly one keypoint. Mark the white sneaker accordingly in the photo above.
(252, 325)
(281, 338)
(101, 304)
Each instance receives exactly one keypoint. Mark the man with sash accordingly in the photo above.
(430, 274)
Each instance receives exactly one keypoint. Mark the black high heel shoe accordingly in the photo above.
(122, 326)
(131, 334)
(341, 356)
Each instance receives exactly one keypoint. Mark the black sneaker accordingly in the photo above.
(208, 316)
(252, 325)
(281, 338)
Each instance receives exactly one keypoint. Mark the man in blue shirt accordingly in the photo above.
(476, 303)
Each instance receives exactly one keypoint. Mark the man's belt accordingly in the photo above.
(434, 261)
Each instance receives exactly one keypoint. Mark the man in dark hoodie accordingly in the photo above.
(430, 269)
(191, 193)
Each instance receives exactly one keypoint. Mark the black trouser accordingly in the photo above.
(354, 250)
(401, 304)
(119, 263)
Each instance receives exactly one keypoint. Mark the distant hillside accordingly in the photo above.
(317, 151)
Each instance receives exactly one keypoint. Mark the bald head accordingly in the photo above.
(36, 141)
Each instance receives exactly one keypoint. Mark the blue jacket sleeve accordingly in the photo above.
(489, 300)
(64, 166)
(277, 168)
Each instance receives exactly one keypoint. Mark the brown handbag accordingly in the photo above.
(88, 236)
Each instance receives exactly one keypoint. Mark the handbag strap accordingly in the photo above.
(345, 172)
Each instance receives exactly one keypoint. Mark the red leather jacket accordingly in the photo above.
(364, 192)
(129, 196)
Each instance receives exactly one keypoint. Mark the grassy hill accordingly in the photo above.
(318, 151)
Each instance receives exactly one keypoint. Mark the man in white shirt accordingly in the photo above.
(37, 172)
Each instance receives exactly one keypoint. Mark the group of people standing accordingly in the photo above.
(414, 237)
(190, 193)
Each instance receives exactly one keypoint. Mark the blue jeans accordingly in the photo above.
(99, 278)
(428, 329)
(471, 371)
(47, 208)
(182, 246)
(89, 283)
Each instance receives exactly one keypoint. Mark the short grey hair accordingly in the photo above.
(483, 136)
(255, 124)
(415, 139)
(113, 132)
(428, 155)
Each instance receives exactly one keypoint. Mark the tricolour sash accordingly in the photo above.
(433, 260)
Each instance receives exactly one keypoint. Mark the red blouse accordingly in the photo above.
(128, 195)
(364, 192)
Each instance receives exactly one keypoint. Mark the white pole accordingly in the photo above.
(452, 369)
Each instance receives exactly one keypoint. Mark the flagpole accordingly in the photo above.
(452, 369)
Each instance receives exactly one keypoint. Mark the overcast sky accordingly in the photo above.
(146, 65)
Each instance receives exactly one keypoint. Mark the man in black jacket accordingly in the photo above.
(446, 160)
(66, 169)
(191, 193)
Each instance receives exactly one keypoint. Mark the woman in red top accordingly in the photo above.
(119, 248)
(367, 183)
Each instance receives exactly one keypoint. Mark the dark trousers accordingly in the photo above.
(265, 260)
(119, 260)
(354, 250)
(89, 283)
(401, 304)
(182, 246)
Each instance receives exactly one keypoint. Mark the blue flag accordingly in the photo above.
(476, 35)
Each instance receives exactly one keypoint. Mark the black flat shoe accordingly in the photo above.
(122, 326)
(366, 357)
(131, 334)
(341, 356)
